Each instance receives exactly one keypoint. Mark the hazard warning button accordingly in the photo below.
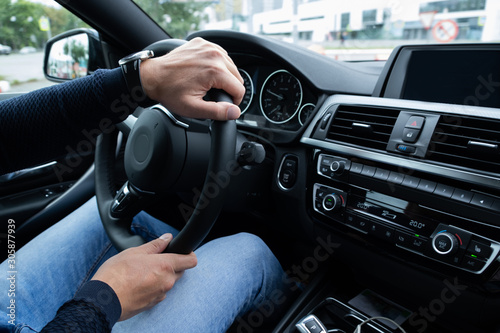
(415, 122)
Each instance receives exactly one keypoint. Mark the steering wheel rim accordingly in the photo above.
(222, 162)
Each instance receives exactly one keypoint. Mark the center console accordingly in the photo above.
(408, 183)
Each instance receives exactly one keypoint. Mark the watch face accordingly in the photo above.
(142, 55)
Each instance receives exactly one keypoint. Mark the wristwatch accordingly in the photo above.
(130, 66)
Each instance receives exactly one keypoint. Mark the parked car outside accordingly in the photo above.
(4, 49)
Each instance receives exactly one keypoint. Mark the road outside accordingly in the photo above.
(24, 72)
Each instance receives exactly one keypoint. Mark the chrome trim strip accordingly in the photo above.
(170, 115)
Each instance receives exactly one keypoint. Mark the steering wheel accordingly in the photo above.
(154, 160)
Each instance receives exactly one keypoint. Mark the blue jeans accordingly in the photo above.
(234, 275)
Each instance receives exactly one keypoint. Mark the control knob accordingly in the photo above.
(332, 202)
(445, 243)
(337, 167)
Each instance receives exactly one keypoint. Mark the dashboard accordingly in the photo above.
(397, 161)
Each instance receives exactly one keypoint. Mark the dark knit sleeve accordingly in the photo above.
(95, 309)
(53, 122)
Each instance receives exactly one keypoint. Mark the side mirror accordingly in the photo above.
(73, 54)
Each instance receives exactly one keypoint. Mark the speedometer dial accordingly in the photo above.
(280, 97)
(247, 98)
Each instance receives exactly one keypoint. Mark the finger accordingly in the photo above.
(179, 262)
(214, 110)
(157, 245)
(231, 85)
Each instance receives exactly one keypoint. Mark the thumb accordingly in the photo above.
(157, 245)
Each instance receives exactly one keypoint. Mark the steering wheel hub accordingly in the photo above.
(155, 152)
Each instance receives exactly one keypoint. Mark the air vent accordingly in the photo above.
(467, 142)
(363, 126)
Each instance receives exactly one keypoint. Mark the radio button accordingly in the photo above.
(482, 201)
(444, 190)
(462, 195)
(356, 167)
(368, 171)
(411, 181)
(395, 177)
(381, 174)
(426, 186)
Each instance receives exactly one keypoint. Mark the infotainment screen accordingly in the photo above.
(457, 74)
(458, 77)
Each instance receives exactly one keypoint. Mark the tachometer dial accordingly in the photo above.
(280, 97)
(305, 111)
(247, 98)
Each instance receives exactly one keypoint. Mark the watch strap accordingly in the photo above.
(131, 72)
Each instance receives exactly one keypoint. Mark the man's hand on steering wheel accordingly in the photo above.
(180, 79)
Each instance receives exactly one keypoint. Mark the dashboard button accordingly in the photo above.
(426, 186)
(462, 195)
(381, 174)
(381, 231)
(444, 190)
(472, 264)
(359, 223)
(356, 167)
(481, 200)
(287, 178)
(411, 181)
(403, 239)
(350, 219)
(410, 135)
(368, 171)
(405, 149)
(415, 122)
(496, 205)
(321, 192)
(395, 177)
(418, 243)
(325, 170)
(479, 249)
(327, 160)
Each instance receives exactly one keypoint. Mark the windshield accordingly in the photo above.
(349, 30)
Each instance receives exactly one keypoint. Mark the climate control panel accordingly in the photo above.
(407, 225)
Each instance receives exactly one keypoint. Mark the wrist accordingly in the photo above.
(131, 69)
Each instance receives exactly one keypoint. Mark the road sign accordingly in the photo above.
(445, 31)
(426, 18)
(44, 23)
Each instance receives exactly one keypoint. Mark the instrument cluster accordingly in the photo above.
(274, 98)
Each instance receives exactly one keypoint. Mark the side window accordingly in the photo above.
(25, 28)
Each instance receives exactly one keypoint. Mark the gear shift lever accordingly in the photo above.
(311, 324)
